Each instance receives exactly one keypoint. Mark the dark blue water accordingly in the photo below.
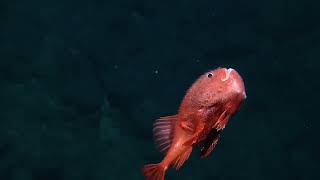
(81, 83)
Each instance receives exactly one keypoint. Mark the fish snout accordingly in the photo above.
(233, 81)
(237, 83)
(227, 73)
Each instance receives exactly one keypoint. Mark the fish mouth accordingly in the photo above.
(227, 72)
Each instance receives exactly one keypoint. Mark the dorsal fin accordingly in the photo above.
(163, 132)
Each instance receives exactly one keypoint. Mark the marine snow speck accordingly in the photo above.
(203, 114)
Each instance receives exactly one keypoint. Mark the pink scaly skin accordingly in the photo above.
(204, 112)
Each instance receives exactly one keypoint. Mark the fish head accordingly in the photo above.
(216, 86)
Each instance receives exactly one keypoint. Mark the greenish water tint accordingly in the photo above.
(82, 82)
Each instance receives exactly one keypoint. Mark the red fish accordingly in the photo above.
(204, 112)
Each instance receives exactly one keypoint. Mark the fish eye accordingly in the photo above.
(210, 75)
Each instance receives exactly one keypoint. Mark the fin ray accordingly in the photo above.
(163, 132)
(154, 171)
(210, 142)
(182, 158)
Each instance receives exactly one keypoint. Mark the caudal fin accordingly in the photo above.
(154, 171)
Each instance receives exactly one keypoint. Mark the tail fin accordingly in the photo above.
(154, 171)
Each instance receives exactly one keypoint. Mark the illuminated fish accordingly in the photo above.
(205, 110)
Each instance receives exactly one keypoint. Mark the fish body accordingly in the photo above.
(203, 113)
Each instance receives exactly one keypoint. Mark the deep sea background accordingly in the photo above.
(81, 83)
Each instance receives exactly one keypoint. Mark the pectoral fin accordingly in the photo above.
(210, 142)
(188, 126)
(192, 140)
(222, 121)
